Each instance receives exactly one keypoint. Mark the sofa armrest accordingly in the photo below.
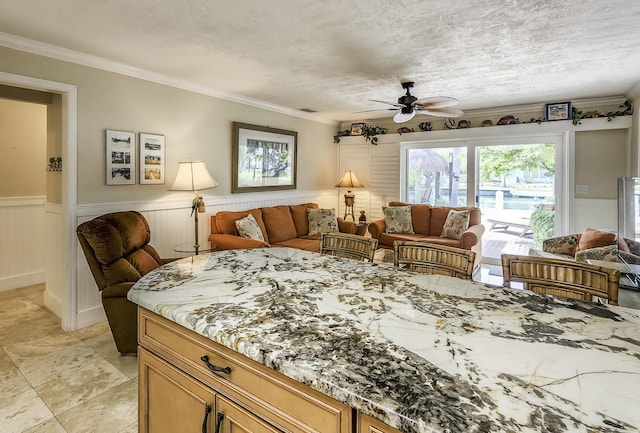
(223, 241)
(471, 236)
(376, 228)
(347, 226)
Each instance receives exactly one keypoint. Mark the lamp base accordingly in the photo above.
(349, 199)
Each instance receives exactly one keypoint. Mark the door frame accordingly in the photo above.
(69, 94)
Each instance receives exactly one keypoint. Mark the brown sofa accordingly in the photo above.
(427, 224)
(281, 226)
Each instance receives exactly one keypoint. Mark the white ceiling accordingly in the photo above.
(332, 56)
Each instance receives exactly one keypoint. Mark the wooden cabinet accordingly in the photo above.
(371, 425)
(186, 380)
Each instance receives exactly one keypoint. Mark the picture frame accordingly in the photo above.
(356, 128)
(558, 111)
(262, 158)
(120, 152)
(152, 152)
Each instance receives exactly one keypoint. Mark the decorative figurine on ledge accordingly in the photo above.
(363, 218)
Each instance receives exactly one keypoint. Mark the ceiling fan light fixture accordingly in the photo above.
(402, 117)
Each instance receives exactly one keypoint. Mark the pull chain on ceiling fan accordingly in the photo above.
(409, 105)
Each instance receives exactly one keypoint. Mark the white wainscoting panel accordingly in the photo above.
(171, 224)
(55, 291)
(22, 246)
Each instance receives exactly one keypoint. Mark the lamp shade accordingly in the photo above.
(193, 176)
(349, 180)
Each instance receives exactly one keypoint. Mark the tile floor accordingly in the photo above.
(57, 382)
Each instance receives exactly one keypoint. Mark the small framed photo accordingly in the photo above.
(121, 157)
(151, 159)
(558, 111)
(356, 128)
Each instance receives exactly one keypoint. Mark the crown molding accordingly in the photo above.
(634, 92)
(52, 51)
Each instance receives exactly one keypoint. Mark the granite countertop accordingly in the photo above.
(422, 353)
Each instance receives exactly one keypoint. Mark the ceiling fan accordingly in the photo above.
(409, 105)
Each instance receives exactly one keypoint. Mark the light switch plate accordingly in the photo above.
(582, 189)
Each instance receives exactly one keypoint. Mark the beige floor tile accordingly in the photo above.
(12, 382)
(50, 426)
(88, 332)
(22, 412)
(110, 412)
(104, 345)
(85, 376)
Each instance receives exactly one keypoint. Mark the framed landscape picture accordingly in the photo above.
(263, 158)
(121, 157)
(151, 159)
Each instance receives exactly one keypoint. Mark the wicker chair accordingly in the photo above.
(434, 259)
(348, 245)
(562, 278)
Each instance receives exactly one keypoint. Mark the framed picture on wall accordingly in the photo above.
(558, 111)
(151, 159)
(262, 158)
(121, 157)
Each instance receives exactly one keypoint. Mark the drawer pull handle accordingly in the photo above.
(207, 411)
(219, 422)
(212, 367)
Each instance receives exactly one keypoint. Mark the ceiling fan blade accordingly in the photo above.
(379, 109)
(395, 104)
(441, 112)
(436, 102)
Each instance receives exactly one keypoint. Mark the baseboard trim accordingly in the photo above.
(23, 280)
(90, 317)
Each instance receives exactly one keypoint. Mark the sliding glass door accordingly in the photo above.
(508, 179)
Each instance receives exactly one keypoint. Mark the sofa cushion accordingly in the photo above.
(592, 238)
(420, 216)
(226, 221)
(305, 243)
(322, 221)
(456, 223)
(279, 223)
(248, 228)
(397, 219)
(300, 217)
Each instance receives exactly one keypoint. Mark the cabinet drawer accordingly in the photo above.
(289, 405)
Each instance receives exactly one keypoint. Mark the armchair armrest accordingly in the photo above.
(376, 228)
(565, 245)
(606, 253)
(471, 236)
(223, 241)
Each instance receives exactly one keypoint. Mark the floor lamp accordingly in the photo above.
(194, 176)
(349, 180)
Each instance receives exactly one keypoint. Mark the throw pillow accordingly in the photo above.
(248, 228)
(592, 238)
(322, 221)
(457, 222)
(397, 219)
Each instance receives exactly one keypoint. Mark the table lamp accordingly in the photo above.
(349, 180)
(194, 176)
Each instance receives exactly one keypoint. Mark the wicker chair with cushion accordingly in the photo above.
(348, 245)
(564, 278)
(117, 249)
(434, 258)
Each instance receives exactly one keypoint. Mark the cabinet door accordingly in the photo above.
(236, 419)
(372, 425)
(170, 401)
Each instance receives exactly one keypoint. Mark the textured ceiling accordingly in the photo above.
(332, 56)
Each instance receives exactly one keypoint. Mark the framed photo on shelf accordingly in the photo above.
(121, 157)
(262, 158)
(151, 159)
(558, 111)
(356, 128)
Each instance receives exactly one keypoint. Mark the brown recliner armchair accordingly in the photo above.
(117, 251)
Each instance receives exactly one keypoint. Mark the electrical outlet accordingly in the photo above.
(582, 189)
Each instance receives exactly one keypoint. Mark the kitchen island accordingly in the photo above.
(419, 353)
